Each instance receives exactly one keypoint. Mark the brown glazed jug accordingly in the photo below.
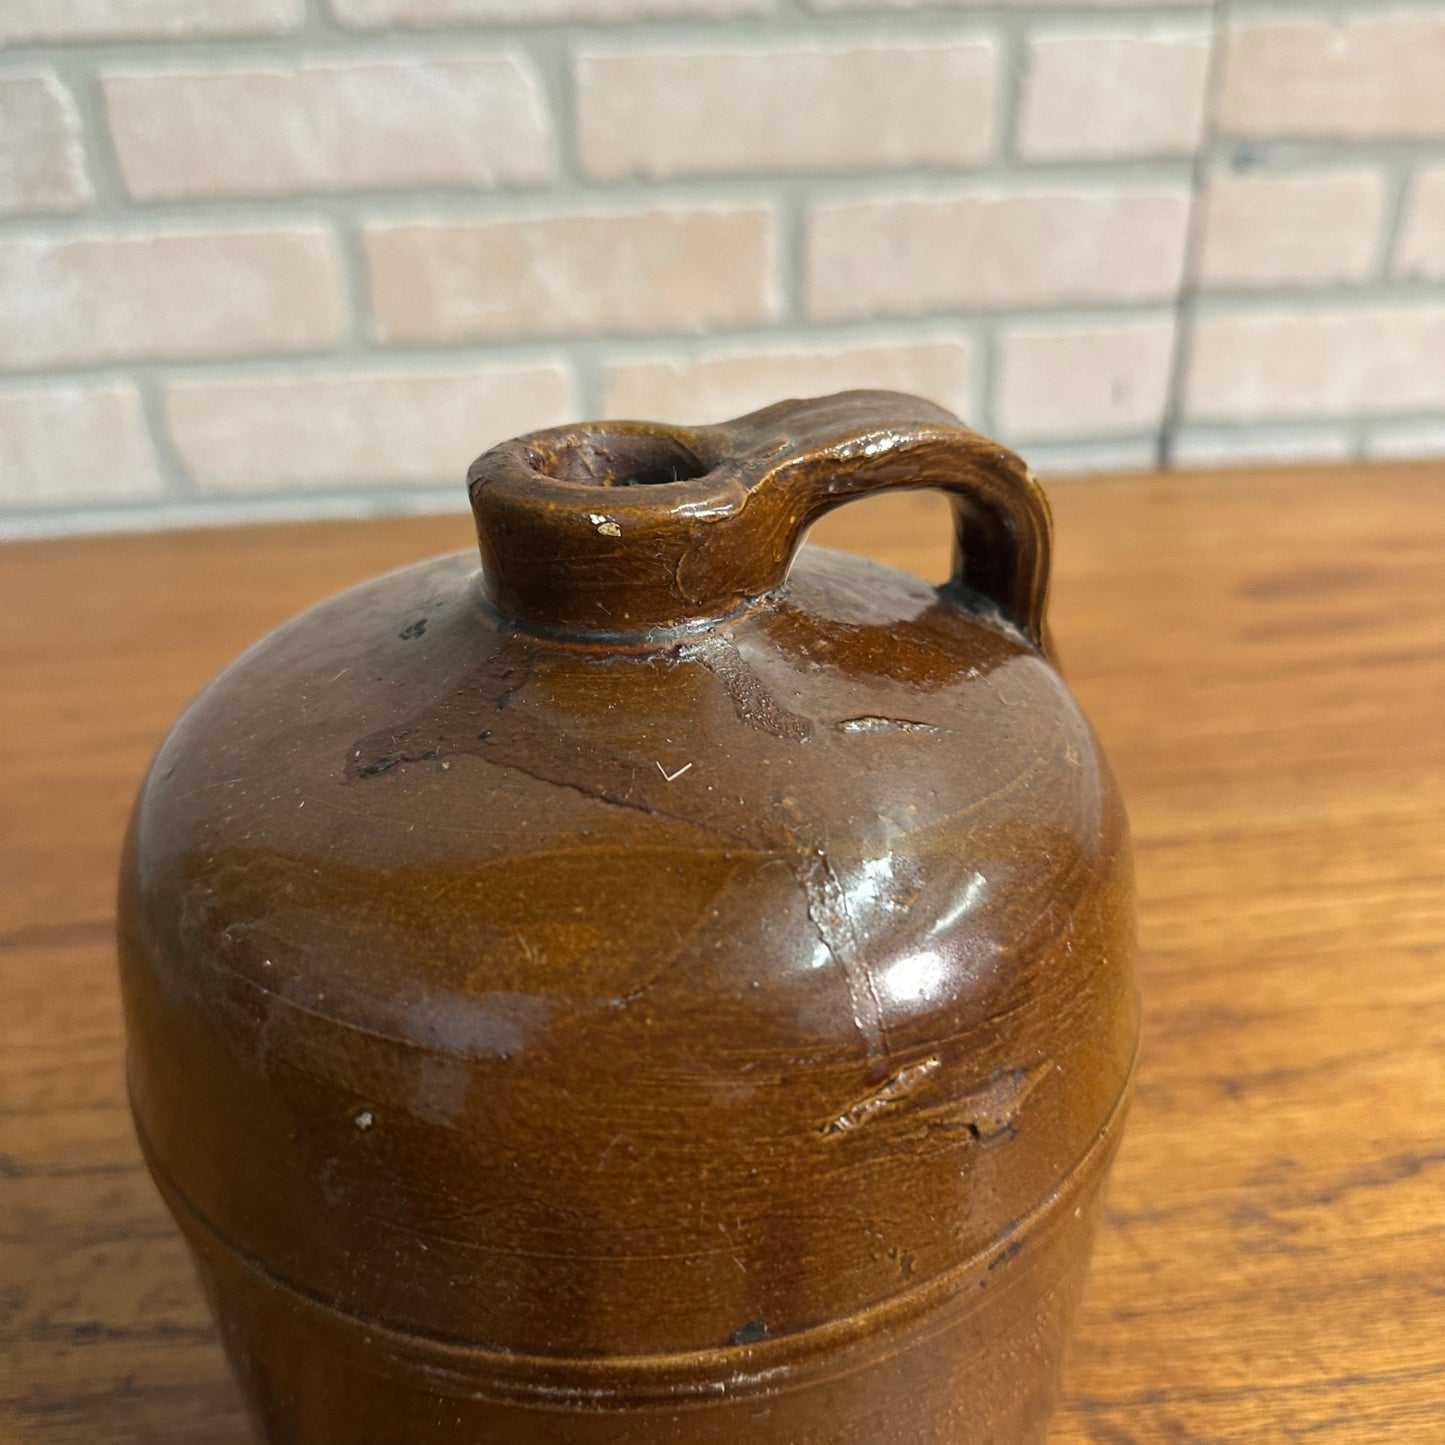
(651, 989)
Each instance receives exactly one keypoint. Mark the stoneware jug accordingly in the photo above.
(651, 987)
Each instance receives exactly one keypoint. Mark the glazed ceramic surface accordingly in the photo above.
(650, 988)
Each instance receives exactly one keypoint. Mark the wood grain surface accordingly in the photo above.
(1264, 656)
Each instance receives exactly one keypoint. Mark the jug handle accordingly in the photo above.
(818, 454)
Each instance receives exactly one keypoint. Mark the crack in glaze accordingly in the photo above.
(751, 700)
(897, 1086)
(872, 724)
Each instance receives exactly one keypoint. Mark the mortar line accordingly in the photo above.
(1014, 34)
(588, 370)
(790, 264)
(1399, 180)
(177, 484)
(1186, 305)
(360, 335)
(324, 37)
(986, 353)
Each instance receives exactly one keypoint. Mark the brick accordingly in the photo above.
(476, 121)
(836, 5)
(1291, 230)
(74, 443)
(41, 167)
(654, 112)
(719, 382)
(1420, 250)
(1092, 94)
(1242, 446)
(100, 297)
(39, 20)
(1362, 77)
(664, 269)
(381, 427)
(914, 254)
(1083, 379)
(375, 14)
(1280, 363)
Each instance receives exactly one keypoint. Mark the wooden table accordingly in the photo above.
(1264, 655)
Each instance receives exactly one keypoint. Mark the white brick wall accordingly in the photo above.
(28, 20)
(74, 442)
(1373, 73)
(664, 112)
(290, 254)
(477, 122)
(370, 428)
(572, 274)
(893, 5)
(714, 383)
(1091, 94)
(1343, 361)
(988, 249)
(41, 166)
(376, 14)
(78, 298)
(1302, 228)
(1084, 379)
(1420, 253)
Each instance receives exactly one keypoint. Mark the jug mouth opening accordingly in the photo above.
(615, 456)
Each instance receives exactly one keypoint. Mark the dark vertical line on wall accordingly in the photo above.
(1186, 300)
(178, 483)
(1398, 179)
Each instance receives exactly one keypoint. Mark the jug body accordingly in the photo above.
(649, 988)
